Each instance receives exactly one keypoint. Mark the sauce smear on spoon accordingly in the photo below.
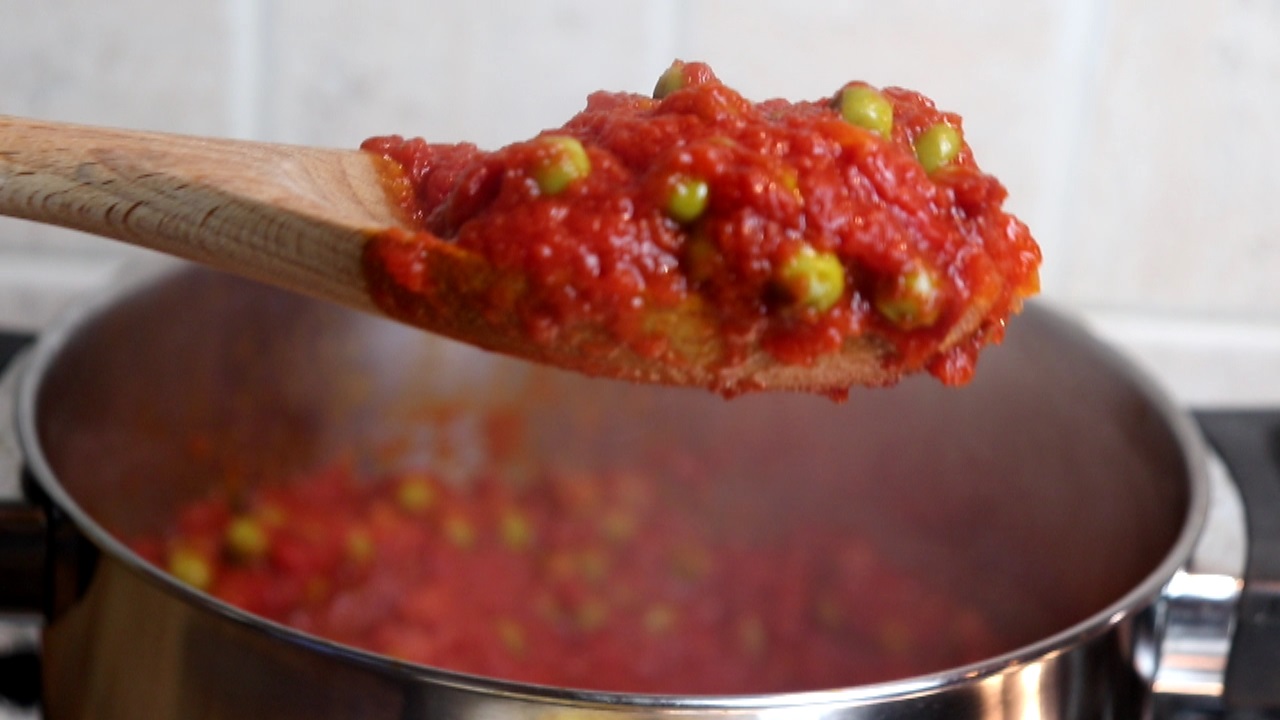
(695, 237)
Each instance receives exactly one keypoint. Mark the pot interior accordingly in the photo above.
(1039, 495)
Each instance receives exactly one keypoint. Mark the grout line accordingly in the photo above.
(1171, 315)
(248, 48)
(1076, 69)
(1138, 328)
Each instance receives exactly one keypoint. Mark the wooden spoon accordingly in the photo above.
(299, 218)
(296, 217)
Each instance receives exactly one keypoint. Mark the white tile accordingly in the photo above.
(35, 289)
(1210, 362)
(1177, 210)
(143, 64)
(487, 71)
(139, 63)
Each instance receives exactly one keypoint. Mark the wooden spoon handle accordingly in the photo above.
(296, 217)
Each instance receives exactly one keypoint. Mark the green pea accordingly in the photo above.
(246, 538)
(911, 300)
(937, 146)
(564, 161)
(191, 568)
(865, 107)
(670, 81)
(814, 279)
(688, 199)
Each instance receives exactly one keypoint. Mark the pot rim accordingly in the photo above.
(141, 276)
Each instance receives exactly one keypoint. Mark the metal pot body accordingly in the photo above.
(1059, 493)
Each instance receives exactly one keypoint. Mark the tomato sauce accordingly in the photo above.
(801, 225)
(602, 581)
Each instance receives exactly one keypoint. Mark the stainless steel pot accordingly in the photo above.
(1061, 492)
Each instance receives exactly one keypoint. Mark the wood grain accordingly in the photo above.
(296, 217)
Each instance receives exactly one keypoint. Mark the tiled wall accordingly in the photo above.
(1135, 135)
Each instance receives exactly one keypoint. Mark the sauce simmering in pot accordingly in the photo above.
(601, 581)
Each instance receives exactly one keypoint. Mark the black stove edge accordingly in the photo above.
(20, 678)
(1249, 443)
(10, 345)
